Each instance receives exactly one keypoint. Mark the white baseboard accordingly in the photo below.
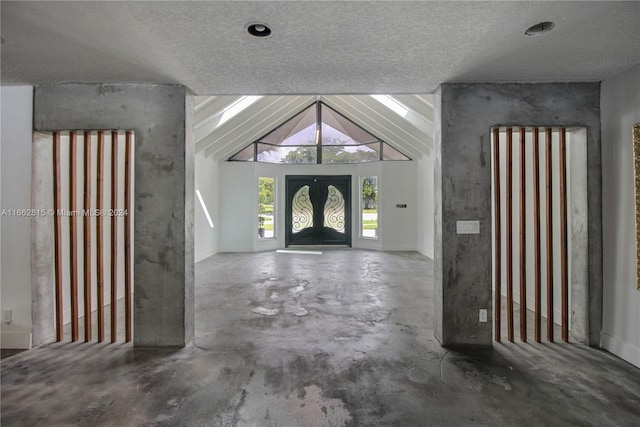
(16, 338)
(428, 254)
(620, 348)
(205, 256)
(370, 244)
(398, 247)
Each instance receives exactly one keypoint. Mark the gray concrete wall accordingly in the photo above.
(42, 242)
(162, 117)
(578, 226)
(189, 218)
(438, 318)
(463, 263)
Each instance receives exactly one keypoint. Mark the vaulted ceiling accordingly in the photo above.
(219, 136)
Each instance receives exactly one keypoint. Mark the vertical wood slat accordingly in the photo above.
(549, 203)
(509, 247)
(87, 237)
(523, 238)
(57, 233)
(100, 236)
(127, 235)
(73, 236)
(536, 232)
(497, 304)
(114, 235)
(563, 236)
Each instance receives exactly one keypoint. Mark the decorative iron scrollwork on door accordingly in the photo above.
(302, 210)
(334, 209)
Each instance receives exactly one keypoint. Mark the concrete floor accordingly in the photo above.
(339, 339)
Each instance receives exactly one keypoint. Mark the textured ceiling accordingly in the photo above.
(317, 47)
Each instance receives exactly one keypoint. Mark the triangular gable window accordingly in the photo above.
(318, 134)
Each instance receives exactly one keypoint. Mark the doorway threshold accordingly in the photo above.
(298, 251)
(318, 247)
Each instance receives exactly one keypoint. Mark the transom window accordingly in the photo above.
(318, 134)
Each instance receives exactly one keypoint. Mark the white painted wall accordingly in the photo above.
(238, 206)
(238, 193)
(206, 237)
(426, 203)
(16, 123)
(398, 185)
(620, 106)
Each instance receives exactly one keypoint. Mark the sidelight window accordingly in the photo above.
(266, 208)
(369, 207)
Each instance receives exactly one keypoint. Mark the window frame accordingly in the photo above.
(319, 145)
(362, 207)
(273, 212)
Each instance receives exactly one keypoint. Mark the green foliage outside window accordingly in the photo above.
(265, 206)
(334, 150)
(370, 192)
(265, 195)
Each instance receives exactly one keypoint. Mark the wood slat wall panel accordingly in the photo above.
(100, 236)
(57, 235)
(549, 204)
(73, 236)
(536, 215)
(557, 217)
(510, 234)
(523, 237)
(86, 222)
(114, 237)
(82, 176)
(497, 304)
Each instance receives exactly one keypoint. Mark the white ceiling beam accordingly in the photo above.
(417, 105)
(263, 122)
(209, 116)
(415, 135)
(201, 101)
(378, 113)
(251, 124)
(220, 134)
(410, 117)
(380, 127)
(426, 98)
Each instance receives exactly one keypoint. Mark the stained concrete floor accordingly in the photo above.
(339, 339)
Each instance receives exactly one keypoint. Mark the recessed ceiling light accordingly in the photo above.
(540, 28)
(259, 30)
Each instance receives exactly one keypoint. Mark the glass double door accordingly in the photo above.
(318, 210)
